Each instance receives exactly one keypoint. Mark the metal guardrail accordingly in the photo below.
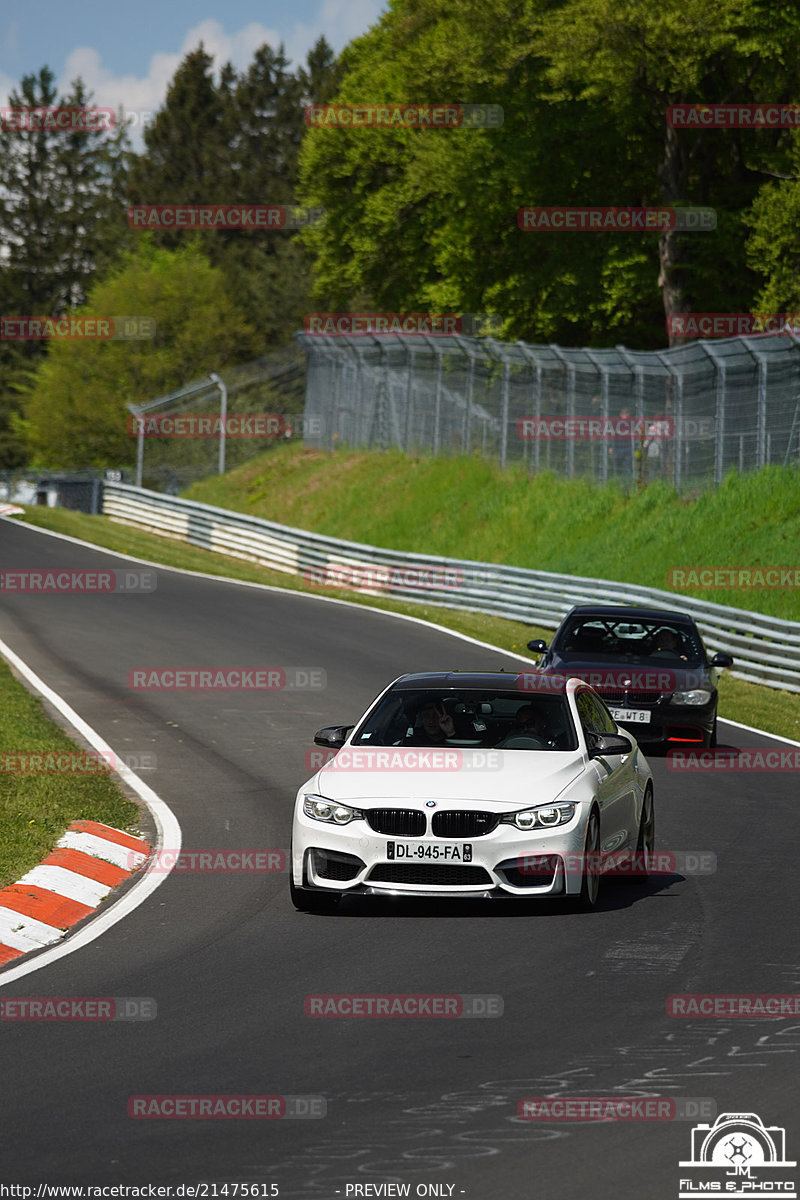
(766, 649)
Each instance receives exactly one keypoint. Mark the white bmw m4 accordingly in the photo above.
(467, 784)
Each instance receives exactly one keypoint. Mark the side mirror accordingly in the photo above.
(609, 743)
(332, 736)
(538, 645)
(722, 660)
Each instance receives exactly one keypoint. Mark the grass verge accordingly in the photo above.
(35, 809)
(467, 507)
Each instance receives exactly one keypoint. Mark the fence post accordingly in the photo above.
(223, 418)
(438, 402)
(570, 369)
(529, 355)
(137, 413)
(504, 414)
(604, 406)
(409, 397)
(468, 403)
(761, 412)
(677, 379)
(719, 441)
(638, 400)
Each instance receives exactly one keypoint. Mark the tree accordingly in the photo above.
(75, 408)
(773, 248)
(429, 217)
(638, 59)
(237, 142)
(61, 217)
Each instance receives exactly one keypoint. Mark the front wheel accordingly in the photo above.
(646, 844)
(590, 879)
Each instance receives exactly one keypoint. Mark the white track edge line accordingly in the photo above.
(168, 831)
(271, 587)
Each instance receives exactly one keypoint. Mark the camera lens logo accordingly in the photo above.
(738, 1155)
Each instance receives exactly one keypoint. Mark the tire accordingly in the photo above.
(311, 901)
(590, 879)
(713, 739)
(645, 844)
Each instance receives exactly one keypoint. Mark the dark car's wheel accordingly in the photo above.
(645, 846)
(712, 741)
(590, 879)
(306, 900)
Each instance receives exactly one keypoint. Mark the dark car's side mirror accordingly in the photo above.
(332, 736)
(722, 660)
(609, 743)
(538, 645)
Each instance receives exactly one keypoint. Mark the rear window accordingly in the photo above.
(601, 639)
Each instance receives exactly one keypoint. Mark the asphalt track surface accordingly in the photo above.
(229, 961)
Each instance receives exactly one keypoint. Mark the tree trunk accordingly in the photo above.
(672, 176)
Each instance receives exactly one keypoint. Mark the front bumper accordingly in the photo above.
(671, 722)
(354, 860)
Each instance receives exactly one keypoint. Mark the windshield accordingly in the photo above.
(497, 719)
(604, 639)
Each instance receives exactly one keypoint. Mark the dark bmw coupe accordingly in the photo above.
(650, 667)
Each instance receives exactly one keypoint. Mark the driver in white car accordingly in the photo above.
(434, 727)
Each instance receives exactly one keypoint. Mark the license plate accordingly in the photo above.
(428, 852)
(636, 715)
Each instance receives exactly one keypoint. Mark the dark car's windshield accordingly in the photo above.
(604, 639)
(497, 719)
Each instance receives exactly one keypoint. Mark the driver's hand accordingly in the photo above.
(446, 723)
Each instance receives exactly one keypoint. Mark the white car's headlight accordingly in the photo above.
(328, 810)
(696, 697)
(545, 816)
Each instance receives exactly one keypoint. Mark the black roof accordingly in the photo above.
(634, 614)
(466, 680)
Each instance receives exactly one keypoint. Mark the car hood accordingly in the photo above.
(501, 779)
